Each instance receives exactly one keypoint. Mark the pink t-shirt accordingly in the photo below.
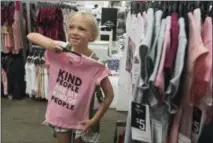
(72, 81)
(195, 50)
(203, 67)
(159, 81)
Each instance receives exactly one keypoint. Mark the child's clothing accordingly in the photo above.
(69, 90)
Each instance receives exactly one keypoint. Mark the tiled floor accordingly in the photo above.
(22, 119)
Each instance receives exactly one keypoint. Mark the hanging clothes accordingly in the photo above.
(50, 22)
(36, 75)
(7, 19)
(180, 46)
(203, 67)
(13, 75)
(173, 87)
(17, 33)
(11, 21)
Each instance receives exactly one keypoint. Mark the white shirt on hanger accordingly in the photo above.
(136, 58)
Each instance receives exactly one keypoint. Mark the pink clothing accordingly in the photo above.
(203, 67)
(173, 135)
(17, 33)
(4, 81)
(72, 81)
(159, 81)
(8, 37)
(195, 50)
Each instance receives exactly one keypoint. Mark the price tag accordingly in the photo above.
(138, 116)
(183, 139)
(196, 122)
(140, 122)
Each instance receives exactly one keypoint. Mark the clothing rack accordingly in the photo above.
(45, 4)
(60, 5)
(190, 17)
(22, 12)
(36, 75)
(167, 6)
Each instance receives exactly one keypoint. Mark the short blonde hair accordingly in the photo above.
(93, 23)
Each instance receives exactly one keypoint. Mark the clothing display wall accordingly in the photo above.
(169, 60)
(36, 75)
(11, 30)
(50, 23)
(13, 27)
(12, 73)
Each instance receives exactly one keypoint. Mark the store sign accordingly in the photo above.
(109, 19)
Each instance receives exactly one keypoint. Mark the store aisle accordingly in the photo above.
(21, 122)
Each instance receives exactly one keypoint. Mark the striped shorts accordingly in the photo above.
(87, 138)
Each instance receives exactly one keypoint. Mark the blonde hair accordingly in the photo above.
(93, 23)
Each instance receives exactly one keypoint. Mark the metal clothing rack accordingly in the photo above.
(58, 4)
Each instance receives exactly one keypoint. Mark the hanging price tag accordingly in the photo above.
(196, 122)
(139, 116)
(140, 122)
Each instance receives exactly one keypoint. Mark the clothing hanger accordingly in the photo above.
(65, 49)
(165, 9)
(181, 9)
(196, 4)
(210, 12)
(137, 7)
(203, 8)
(155, 5)
(192, 6)
(170, 7)
(132, 7)
(159, 5)
(141, 7)
(174, 6)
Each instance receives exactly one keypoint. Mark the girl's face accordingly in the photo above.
(79, 31)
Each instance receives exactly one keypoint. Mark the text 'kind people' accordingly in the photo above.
(69, 81)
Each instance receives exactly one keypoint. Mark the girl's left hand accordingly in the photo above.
(87, 125)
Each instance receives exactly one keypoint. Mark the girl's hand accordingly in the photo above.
(56, 47)
(87, 125)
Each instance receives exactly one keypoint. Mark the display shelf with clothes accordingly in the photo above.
(169, 59)
(113, 63)
(36, 74)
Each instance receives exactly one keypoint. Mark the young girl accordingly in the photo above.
(82, 29)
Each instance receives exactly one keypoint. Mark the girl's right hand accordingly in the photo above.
(56, 47)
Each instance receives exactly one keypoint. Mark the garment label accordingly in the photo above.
(183, 139)
(196, 123)
(135, 70)
(140, 122)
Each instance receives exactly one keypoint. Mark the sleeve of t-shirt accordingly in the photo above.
(50, 55)
(101, 74)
